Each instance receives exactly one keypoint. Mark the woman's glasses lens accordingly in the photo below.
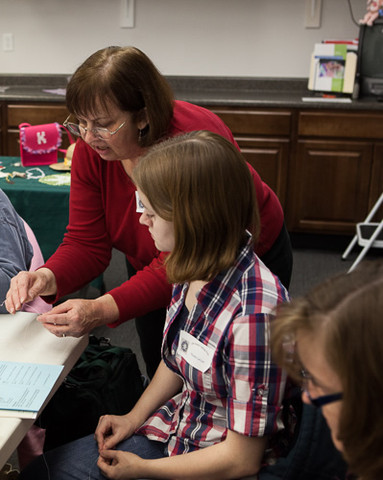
(73, 128)
(81, 131)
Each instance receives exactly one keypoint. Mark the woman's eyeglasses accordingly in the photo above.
(323, 399)
(99, 132)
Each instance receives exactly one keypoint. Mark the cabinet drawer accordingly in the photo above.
(255, 122)
(35, 114)
(345, 124)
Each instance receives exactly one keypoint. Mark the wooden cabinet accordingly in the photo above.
(35, 114)
(337, 171)
(264, 138)
(325, 165)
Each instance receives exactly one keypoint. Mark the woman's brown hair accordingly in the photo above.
(348, 312)
(129, 79)
(201, 183)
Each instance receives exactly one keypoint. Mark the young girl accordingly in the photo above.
(215, 400)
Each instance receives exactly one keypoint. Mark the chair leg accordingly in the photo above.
(350, 247)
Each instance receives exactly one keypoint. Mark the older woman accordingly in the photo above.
(331, 341)
(123, 105)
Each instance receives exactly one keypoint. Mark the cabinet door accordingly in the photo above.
(35, 115)
(269, 157)
(264, 138)
(329, 185)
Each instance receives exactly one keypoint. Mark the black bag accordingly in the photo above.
(105, 380)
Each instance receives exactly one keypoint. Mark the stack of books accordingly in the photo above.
(333, 67)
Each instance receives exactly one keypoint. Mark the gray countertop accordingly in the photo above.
(223, 91)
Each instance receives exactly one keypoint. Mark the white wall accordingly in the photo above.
(261, 38)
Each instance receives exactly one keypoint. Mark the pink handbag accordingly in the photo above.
(39, 144)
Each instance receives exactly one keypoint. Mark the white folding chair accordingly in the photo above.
(368, 234)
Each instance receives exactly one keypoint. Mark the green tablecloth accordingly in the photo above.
(44, 207)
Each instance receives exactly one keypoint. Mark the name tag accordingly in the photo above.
(194, 352)
(139, 205)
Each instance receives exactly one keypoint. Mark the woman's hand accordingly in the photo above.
(76, 317)
(26, 286)
(112, 429)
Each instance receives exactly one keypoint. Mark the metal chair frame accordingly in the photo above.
(369, 242)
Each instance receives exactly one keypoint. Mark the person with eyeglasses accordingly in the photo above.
(120, 106)
(330, 341)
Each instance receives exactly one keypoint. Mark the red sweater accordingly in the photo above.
(102, 216)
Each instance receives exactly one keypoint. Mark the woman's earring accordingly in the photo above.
(142, 132)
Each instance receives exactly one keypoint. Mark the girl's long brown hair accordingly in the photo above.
(201, 183)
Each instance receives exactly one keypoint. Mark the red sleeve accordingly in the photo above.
(86, 248)
(146, 291)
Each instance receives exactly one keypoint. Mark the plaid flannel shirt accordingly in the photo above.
(236, 386)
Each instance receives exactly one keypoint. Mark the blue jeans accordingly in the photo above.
(78, 460)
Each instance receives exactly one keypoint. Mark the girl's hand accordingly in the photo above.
(112, 429)
(119, 465)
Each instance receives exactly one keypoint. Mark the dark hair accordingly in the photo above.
(201, 183)
(347, 311)
(129, 79)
